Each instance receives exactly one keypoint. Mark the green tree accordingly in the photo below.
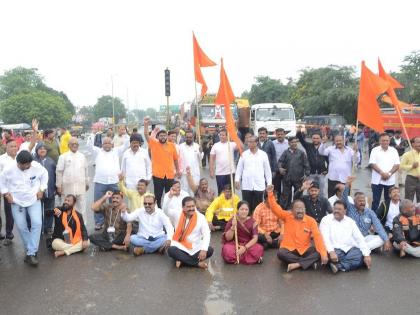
(23, 107)
(19, 83)
(104, 105)
(410, 78)
(327, 90)
(268, 90)
(87, 112)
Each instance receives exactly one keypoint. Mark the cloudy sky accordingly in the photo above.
(79, 45)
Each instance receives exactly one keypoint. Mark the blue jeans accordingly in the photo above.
(99, 192)
(351, 260)
(149, 246)
(30, 237)
(377, 193)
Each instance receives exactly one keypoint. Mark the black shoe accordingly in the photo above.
(32, 260)
(10, 236)
(2, 236)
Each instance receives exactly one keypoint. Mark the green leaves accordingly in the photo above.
(24, 96)
(104, 105)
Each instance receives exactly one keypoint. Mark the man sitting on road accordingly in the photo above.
(190, 243)
(365, 219)
(406, 230)
(316, 206)
(345, 244)
(116, 234)
(172, 202)
(299, 229)
(222, 209)
(389, 209)
(70, 235)
(151, 236)
(269, 225)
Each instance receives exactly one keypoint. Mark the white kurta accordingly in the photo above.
(253, 171)
(136, 166)
(173, 206)
(190, 156)
(199, 237)
(72, 173)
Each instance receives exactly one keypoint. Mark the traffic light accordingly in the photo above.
(167, 82)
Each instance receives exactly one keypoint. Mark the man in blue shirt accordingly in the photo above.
(365, 218)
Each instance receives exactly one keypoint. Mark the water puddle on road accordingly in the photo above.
(218, 300)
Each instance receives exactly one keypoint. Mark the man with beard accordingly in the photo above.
(153, 224)
(70, 235)
(296, 248)
(190, 155)
(23, 185)
(164, 161)
(116, 234)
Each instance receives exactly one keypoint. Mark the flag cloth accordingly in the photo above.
(368, 111)
(226, 97)
(200, 60)
(394, 84)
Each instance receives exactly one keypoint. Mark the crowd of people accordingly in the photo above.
(294, 200)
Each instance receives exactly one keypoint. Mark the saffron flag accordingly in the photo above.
(225, 97)
(368, 111)
(200, 60)
(394, 84)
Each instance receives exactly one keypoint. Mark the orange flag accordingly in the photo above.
(200, 60)
(394, 84)
(225, 97)
(368, 111)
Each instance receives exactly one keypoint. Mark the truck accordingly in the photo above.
(212, 115)
(410, 116)
(273, 116)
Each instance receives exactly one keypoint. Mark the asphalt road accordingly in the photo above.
(109, 283)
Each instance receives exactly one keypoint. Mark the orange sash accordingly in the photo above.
(77, 237)
(415, 220)
(183, 232)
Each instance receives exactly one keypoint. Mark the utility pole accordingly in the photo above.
(113, 103)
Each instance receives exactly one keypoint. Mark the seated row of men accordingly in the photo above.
(344, 238)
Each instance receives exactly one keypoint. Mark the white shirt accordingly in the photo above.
(25, 147)
(220, 150)
(24, 185)
(107, 164)
(342, 234)
(150, 224)
(173, 206)
(254, 170)
(72, 173)
(190, 156)
(6, 161)
(385, 160)
(334, 198)
(394, 210)
(280, 147)
(136, 166)
(120, 140)
(199, 237)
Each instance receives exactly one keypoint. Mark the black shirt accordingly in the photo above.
(59, 227)
(317, 162)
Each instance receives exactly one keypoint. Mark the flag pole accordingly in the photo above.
(397, 109)
(197, 121)
(233, 194)
(357, 150)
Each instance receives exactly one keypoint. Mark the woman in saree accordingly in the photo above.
(249, 250)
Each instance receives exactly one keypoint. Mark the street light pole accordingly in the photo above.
(113, 103)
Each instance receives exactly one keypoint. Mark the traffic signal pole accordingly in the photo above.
(167, 94)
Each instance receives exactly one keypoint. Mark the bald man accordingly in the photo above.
(72, 175)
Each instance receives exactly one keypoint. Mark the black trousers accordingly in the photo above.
(277, 182)
(286, 196)
(104, 243)
(221, 181)
(177, 254)
(263, 241)
(412, 188)
(253, 197)
(9, 219)
(331, 187)
(160, 185)
(220, 223)
(306, 260)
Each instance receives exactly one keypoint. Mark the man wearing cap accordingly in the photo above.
(316, 206)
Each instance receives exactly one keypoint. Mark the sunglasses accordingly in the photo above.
(148, 203)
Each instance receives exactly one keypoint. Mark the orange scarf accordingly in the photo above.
(415, 220)
(183, 232)
(77, 237)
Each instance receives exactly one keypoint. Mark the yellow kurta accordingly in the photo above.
(222, 208)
